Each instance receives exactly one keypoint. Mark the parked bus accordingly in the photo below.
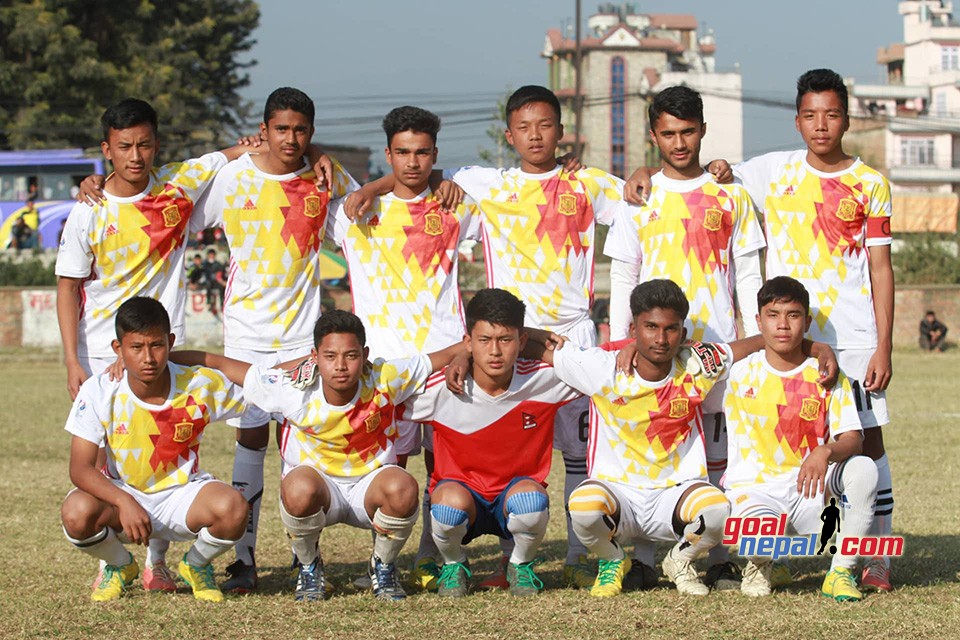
(40, 185)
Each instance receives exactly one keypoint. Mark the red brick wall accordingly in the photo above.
(913, 302)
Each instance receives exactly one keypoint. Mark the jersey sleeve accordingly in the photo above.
(75, 256)
(475, 181)
(337, 221)
(84, 421)
(208, 210)
(194, 176)
(269, 390)
(623, 239)
(470, 221)
(605, 192)
(878, 215)
(747, 234)
(586, 370)
(421, 407)
(757, 173)
(343, 182)
(403, 377)
(842, 409)
(226, 398)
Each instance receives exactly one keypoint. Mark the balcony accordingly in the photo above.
(924, 173)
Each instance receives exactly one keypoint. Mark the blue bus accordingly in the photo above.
(40, 185)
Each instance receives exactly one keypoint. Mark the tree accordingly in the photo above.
(62, 62)
(502, 154)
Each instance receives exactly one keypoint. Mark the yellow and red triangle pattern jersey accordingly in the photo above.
(346, 441)
(127, 247)
(691, 232)
(274, 225)
(538, 235)
(775, 418)
(402, 261)
(154, 447)
(647, 435)
(486, 441)
(819, 227)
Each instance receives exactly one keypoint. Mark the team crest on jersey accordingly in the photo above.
(529, 420)
(712, 219)
(810, 409)
(567, 205)
(372, 422)
(171, 216)
(847, 210)
(432, 224)
(679, 407)
(311, 206)
(182, 431)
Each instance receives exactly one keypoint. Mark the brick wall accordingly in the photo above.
(913, 302)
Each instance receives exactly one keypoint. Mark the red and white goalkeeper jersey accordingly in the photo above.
(691, 232)
(402, 258)
(274, 225)
(538, 235)
(127, 247)
(647, 435)
(346, 441)
(486, 441)
(154, 447)
(775, 418)
(819, 226)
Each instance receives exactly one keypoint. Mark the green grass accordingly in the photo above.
(45, 583)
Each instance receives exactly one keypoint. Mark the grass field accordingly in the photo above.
(44, 582)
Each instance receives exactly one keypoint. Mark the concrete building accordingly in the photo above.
(627, 57)
(910, 127)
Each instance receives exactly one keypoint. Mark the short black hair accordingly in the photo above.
(658, 294)
(783, 289)
(820, 80)
(495, 306)
(680, 102)
(127, 113)
(528, 94)
(338, 321)
(930, 312)
(140, 315)
(411, 119)
(288, 98)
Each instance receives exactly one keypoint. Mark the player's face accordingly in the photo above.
(782, 325)
(679, 142)
(822, 121)
(495, 348)
(534, 130)
(144, 355)
(411, 156)
(132, 152)
(340, 359)
(288, 134)
(659, 334)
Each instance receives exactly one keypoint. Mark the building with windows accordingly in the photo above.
(910, 126)
(627, 57)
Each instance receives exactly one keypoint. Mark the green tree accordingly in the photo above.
(927, 258)
(502, 154)
(62, 62)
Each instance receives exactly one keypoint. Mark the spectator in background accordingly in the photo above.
(196, 274)
(216, 280)
(933, 333)
(22, 235)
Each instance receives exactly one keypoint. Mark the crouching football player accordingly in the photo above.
(338, 445)
(150, 423)
(793, 443)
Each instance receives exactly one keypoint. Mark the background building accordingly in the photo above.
(627, 57)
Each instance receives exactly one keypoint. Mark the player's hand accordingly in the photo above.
(827, 365)
(627, 359)
(703, 358)
(456, 373)
(323, 168)
(303, 375)
(636, 189)
(721, 170)
(879, 371)
(134, 520)
(358, 203)
(813, 471)
(116, 370)
(256, 141)
(76, 376)
(91, 190)
(450, 195)
(555, 341)
(571, 163)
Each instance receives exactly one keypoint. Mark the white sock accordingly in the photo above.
(575, 472)
(715, 441)
(855, 481)
(304, 533)
(449, 527)
(157, 551)
(883, 513)
(103, 545)
(705, 512)
(391, 534)
(592, 507)
(207, 547)
(248, 480)
(527, 516)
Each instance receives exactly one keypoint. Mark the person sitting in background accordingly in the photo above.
(196, 274)
(933, 333)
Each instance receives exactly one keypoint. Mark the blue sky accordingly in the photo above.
(358, 59)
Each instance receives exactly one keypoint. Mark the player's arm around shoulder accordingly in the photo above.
(234, 370)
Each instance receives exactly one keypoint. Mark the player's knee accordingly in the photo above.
(859, 476)
(400, 493)
(528, 511)
(453, 495)
(591, 501)
(256, 438)
(301, 494)
(707, 505)
(873, 443)
(232, 512)
(79, 514)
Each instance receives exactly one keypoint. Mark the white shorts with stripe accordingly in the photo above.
(872, 405)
